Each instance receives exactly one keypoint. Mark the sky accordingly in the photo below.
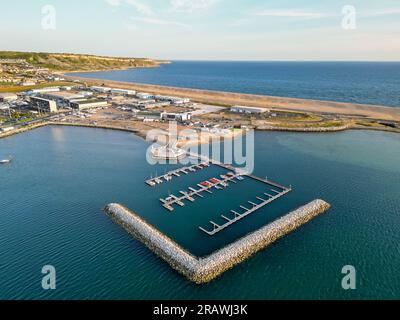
(206, 29)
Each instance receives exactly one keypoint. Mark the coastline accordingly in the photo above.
(65, 72)
(143, 136)
(351, 110)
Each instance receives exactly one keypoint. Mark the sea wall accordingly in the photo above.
(203, 270)
(305, 129)
(21, 130)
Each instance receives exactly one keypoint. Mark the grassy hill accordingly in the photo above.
(77, 62)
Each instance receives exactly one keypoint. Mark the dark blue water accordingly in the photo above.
(52, 194)
(375, 83)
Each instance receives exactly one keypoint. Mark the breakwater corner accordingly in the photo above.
(204, 270)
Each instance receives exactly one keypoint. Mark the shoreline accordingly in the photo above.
(351, 110)
(141, 135)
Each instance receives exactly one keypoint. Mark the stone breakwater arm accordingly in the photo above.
(203, 270)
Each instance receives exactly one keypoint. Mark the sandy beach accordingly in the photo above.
(269, 102)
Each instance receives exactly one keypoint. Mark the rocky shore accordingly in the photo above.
(203, 270)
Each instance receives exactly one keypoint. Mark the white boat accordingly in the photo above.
(5, 161)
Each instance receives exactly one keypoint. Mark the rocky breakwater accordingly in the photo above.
(203, 270)
(304, 129)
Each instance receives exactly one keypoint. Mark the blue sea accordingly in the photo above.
(376, 83)
(53, 192)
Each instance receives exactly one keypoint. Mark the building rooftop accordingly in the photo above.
(7, 94)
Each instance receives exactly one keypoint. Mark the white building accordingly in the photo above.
(248, 110)
(27, 83)
(144, 96)
(174, 100)
(88, 104)
(44, 104)
(100, 89)
(8, 97)
(6, 129)
(124, 92)
(46, 90)
(180, 117)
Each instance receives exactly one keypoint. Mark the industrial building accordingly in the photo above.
(149, 104)
(45, 90)
(101, 89)
(144, 96)
(179, 117)
(64, 98)
(8, 97)
(123, 92)
(174, 100)
(248, 110)
(45, 105)
(88, 104)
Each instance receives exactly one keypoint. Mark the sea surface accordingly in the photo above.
(376, 83)
(53, 192)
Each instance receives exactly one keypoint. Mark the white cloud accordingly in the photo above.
(191, 5)
(383, 12)
(114, 3)
(160, 22)
(290, 14)
(140, 7)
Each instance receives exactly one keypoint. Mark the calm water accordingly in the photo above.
(52, 194)
(359, 82)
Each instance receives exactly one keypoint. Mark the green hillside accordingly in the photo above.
(77, 62)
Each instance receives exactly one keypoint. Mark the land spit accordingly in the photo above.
(203, 270)
(270, 102)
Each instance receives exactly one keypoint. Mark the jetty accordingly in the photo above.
(169, 176)
(236, 216)
(206, 186)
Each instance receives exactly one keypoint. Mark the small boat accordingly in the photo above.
(151, 183)
(6, 161)
(240, 178)
(206, 184)
(218, 187)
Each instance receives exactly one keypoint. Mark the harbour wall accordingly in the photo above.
(306, 129)
(203, 270)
